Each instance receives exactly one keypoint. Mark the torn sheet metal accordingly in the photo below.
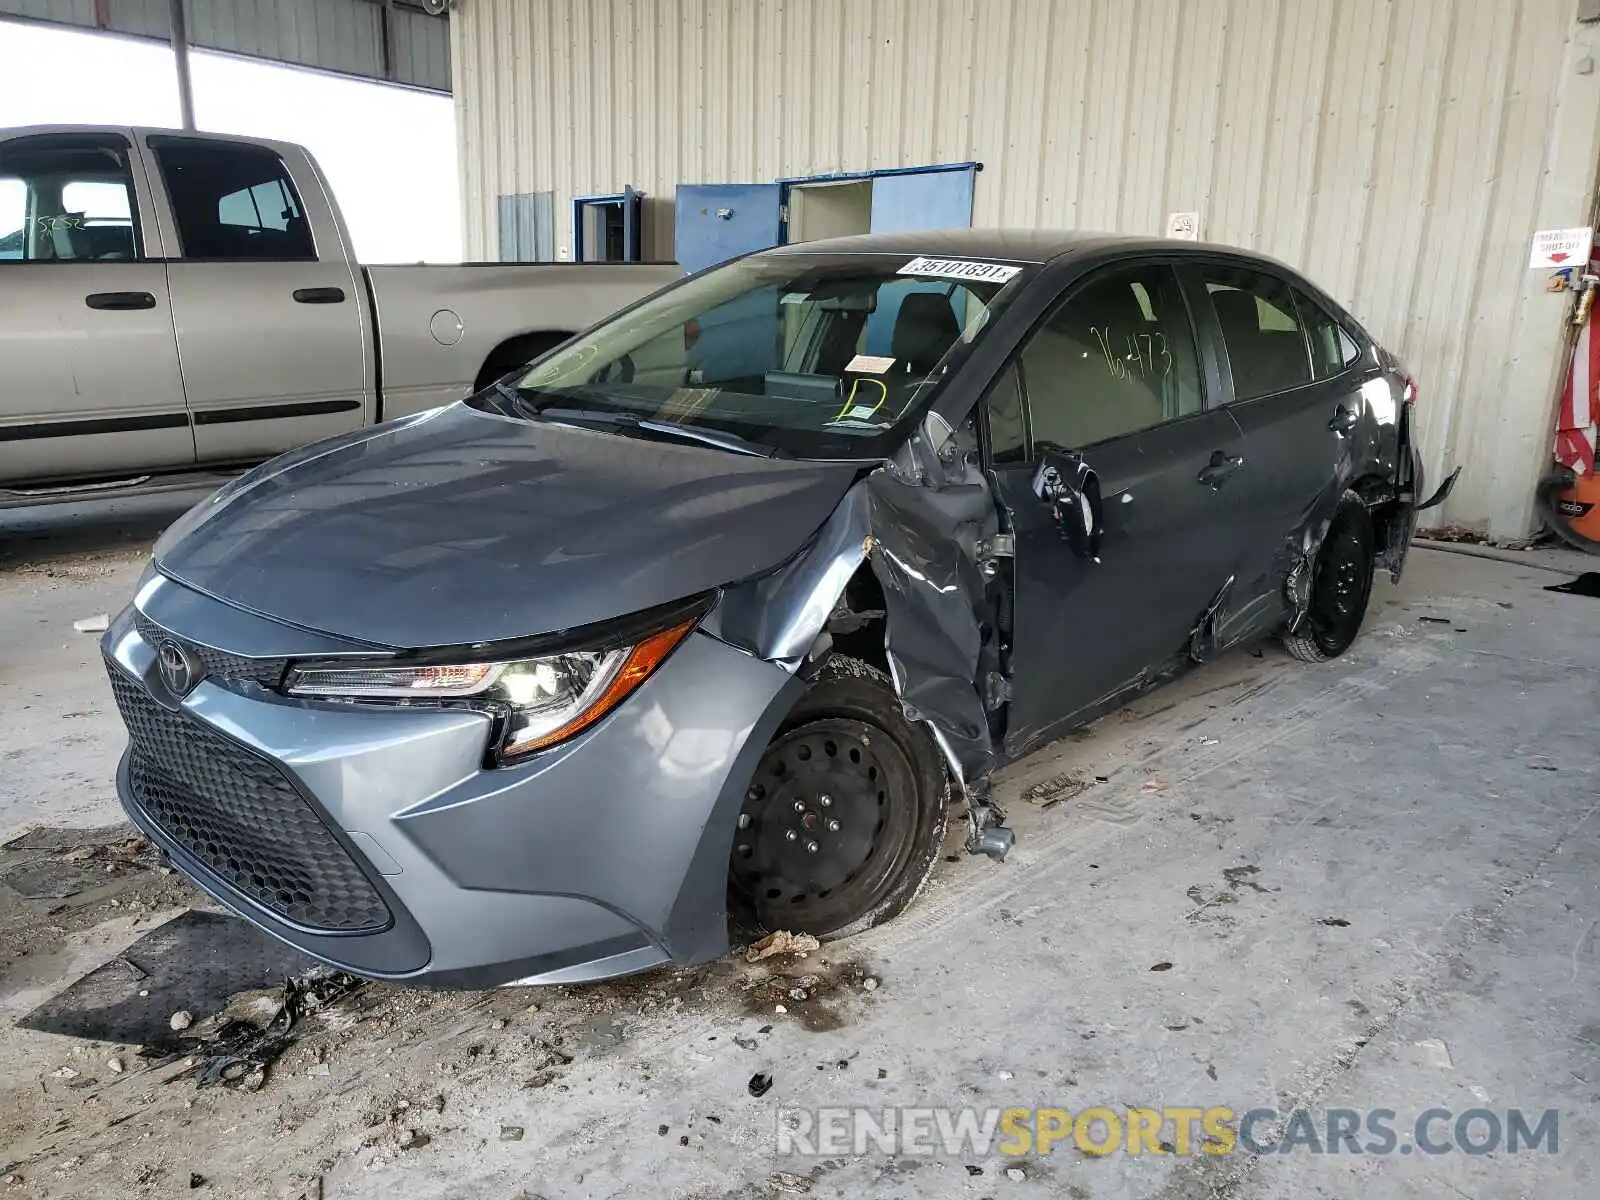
(779, 616)
(920, 521)
(926, 535)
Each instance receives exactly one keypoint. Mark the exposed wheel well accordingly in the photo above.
(516, 352)
(858, 623)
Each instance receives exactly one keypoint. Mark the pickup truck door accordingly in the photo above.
(90, 366)
(271, 313)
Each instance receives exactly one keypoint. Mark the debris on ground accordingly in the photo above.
(781, 942)
(236, 1052)
(115, 1066)
(48, 868)
(98, 623)
(1454, 533)
(760, 1084)
(1057, 788)
(788, 1181)
(511, 1133)
(411, 1139)
(181, 1020)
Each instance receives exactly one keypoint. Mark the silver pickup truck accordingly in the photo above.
(174, 303)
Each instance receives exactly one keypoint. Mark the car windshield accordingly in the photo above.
(804, 355)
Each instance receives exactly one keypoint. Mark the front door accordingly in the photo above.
(91, 384)
(271, 321)
(1109, 386)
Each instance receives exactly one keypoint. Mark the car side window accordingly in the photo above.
(1332, 349)
(1115, 357)
(1260, 330)
(1008, 424)
(233, 201)
(66, 199)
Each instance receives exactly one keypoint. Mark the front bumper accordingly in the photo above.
(374, 838)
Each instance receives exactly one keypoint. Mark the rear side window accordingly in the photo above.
(233, 202)
(1260, 330)
(66, 198)
(1332, 349)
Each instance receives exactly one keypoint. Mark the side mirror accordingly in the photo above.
(1073, 492)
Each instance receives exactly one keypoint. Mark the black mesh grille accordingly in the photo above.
(217, 664)
(238, 814)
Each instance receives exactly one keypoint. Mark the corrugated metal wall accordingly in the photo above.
(1394, 149)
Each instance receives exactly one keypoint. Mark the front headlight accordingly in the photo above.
(539, 701)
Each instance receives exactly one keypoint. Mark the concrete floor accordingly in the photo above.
(1375, 883)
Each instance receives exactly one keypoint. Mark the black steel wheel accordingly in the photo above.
(845, 813)
(1341, 585)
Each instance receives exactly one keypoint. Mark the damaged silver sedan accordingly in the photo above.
(708, 615)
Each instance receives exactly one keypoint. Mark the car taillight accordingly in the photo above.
(1409, 396)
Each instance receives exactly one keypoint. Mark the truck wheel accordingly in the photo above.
(846, 812)
(1341, 584)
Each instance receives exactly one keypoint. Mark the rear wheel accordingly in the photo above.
(845, 815)
(1341, 584)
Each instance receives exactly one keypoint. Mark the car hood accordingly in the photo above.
(460, 526)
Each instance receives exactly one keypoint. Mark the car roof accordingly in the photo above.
(1014, 245)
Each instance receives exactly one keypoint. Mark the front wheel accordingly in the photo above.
(1341, 585)
(845, 815)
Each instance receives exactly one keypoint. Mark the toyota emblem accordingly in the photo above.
(177, 671)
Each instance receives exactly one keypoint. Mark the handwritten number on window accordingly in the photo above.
(1147, 354)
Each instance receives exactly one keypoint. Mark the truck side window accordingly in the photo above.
(66, 198)
(232, 201)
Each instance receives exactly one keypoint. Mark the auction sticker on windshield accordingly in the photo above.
(957, 268)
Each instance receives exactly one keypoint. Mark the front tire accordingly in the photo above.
(1341, 585)
(845, 815)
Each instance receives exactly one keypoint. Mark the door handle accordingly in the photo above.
(1215, 472)
(320, 295)
(116, 300)
(1343, 419)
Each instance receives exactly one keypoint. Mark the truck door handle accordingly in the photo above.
(120, 300)
(322, 295)
(1343, 419)
(1215, 472)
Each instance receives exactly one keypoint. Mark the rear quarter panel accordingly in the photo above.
(491, 303)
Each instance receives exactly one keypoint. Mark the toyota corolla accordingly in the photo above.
(704, 618)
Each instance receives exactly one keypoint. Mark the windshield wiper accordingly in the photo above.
(625, 420)
(711, 437)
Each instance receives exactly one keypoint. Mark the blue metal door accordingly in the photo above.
(716, 222)
(913, 200)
